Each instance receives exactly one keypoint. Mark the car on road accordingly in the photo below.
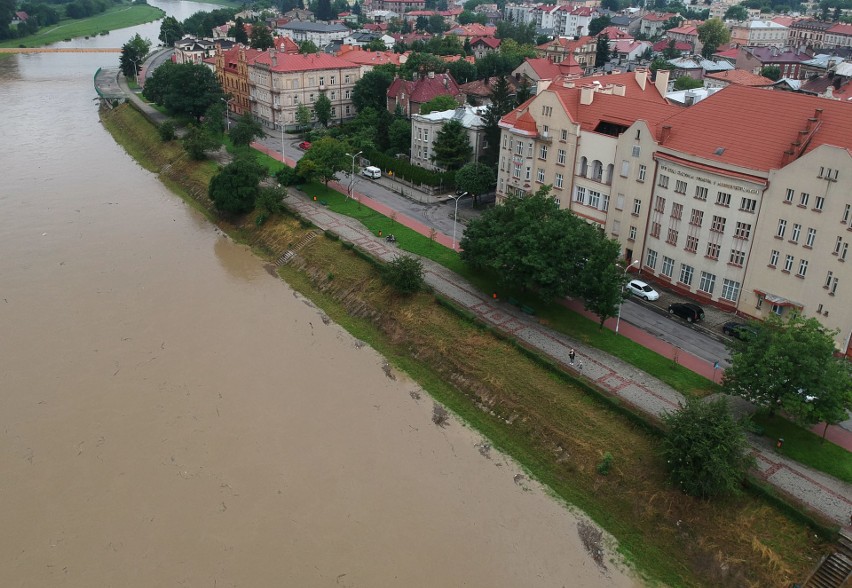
(642, 290)
(688, 311)
(305, 145)
(739, 330)
(371, 172)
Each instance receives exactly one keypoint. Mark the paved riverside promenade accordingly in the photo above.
(826, 496)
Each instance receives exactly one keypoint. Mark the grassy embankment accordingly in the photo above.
(555, 426)
(117, 17)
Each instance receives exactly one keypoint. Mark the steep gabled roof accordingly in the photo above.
(545, 69)
(424, 89)
(492, 42)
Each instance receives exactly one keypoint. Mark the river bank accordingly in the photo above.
(549, 423)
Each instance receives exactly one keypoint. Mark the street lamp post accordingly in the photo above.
(352, 173)
(456, 215)
(282, 141)
(618, 320)
(227, 112)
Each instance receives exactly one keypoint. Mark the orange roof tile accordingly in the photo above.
(740, 77)
(309, 62)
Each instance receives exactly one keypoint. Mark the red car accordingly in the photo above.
(305, 145)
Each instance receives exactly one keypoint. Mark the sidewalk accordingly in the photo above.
(828, 497)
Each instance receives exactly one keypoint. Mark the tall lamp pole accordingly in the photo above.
(282, 141)
(618, 320)
(456, 215)
(228, 112)
(352, 174)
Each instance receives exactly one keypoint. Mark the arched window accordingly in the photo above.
(609, 169)
(584, 167)
(597, 170)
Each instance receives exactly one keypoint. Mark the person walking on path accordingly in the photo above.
(571, 355)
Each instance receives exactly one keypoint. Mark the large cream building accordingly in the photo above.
(738, 201)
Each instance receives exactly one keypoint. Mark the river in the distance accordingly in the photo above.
(172, 415)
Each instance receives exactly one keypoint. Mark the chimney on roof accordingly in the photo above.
(273, 58)
(661, 82)
(431, 75)
(665, 132)
(641, 77)
(446, 82)
(818, 114)
(619, 89)
(587, 94)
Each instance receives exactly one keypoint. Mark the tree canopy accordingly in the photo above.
(132, 55)
(736, 12)
(184, 89)
(171, 31)
(327, 157)
(712, 33)
(451, 149)
(261, 37)
(234, 189)
(790, 365)
(773, 72)
(705, 449)
(687, 83)
(322, 109)
(476, 179)
(371, 90)
(246, 130)
(439, 104)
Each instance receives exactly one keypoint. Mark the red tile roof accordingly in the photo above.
(424, 89)
(362, 57)
(841, 29)
(545, 69)
(310, 62)
(663, 44)
(691, 30)
(483, 88)
(615, 34)
(659, 17)
(740, 77)
(473, 30)
(566, 43)
(737, 118)
(489, 41)
(286, 45)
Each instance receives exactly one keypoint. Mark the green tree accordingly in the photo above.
(246, 130)
(712, 33)
(687, 83)
(597, 24)
(261, 38)
(214, 119)
(404, 273)
(166, 131)
(705, 449)
(475, 179)
(308, 47)
(463, 71)
(451, 149)
(736, 12)
(399, 135)
(420, 64)
(660, 63)
(184, 89)
(238, 32)
(422, 23)
(524, 92)
(377, 45)
(671, 51)
(323, 10)
(234, 189)
(322, 108)
(501, 104)
(371, 90)
(673, 22)
(773, 72)
(436, 24)
(791, 366)
(303, 117)
(439, 104)
(132, 55)
(197, 141)
(601, 285)
(171, 31)
(602, 50)
(328, 155)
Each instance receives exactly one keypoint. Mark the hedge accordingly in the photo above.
(412, 173)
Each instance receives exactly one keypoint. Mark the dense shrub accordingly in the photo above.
(412, 173)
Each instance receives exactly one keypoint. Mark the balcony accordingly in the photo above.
(545, 137)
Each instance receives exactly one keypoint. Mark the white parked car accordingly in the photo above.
(642, 290)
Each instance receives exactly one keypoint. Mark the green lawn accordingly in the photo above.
(807, 448)
(118, 17)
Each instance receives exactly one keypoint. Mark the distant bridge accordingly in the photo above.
(58, 50)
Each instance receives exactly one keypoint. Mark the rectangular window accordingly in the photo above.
(655, 230)
(564, 135)
(788, 263)
(844, 251)
(348, 96)
(834, 286)
(803, 199)
(604, 202)
(748, 204)
(790, 195)
(542, 152)
(625, 168)
(668, 266)
(637, 206)
(707, 282)
(619, 202)
(696, 217)
(594, 199)
(677, 211)
(686, 272)
(530, 149)
(718, 225)
(820, 203)
(713, 250)
(560, 157)
(691, 243)
(797, 231)
(671, 239)
(663, 181)
(782, 228)
(828, 280)
(528, 173)
(701, 192)
(651, 259)
(642, 170)
(723, 199)
(680, 187)
(811, 238)
(660, 204)
(730, 290)
(333, 80)
(803, 268)
(519, 148)
(347, 109)
(773, 257)
(632, 233)
(516, 173)
(616, 227)
(539, 175)
(580, 195)
(846, 213)
(559, 180)
(636, 150)
(346, 78)
(743, 231)
(737, 257)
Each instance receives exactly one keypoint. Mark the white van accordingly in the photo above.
(372, 172)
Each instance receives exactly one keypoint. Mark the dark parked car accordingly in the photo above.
(738, 330)
(687, 310)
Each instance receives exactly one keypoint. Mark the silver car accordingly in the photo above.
(642, 290)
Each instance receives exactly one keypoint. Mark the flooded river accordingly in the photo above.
(172, 415)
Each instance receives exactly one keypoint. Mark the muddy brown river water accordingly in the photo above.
(172, 415)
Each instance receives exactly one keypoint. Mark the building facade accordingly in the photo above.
(319, 33)
(759, 33)
(425, 128)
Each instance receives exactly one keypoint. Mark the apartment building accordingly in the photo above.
(232, 73)
(278, 84)
(759, 33)
(583, 50)
(839, 35)
(809, 32)
(319, 33)
(425, 128)
(573, 20)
